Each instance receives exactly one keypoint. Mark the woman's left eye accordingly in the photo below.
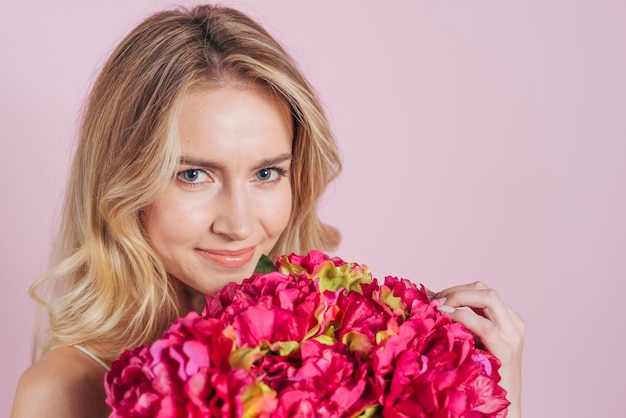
(270, 174)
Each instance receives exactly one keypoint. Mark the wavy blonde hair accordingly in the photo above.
(106, 287)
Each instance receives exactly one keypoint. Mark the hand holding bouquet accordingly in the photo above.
(318, 337)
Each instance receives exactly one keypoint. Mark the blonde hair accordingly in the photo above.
(107, 287)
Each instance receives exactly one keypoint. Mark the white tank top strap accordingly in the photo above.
(93, 356)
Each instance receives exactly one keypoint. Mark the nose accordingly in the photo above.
(232, 216)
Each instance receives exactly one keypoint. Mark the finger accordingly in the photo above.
(482, 300)
(481, 327)
(507, 329)
(468, 286)
(502, 314)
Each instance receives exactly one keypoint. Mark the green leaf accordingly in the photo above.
(265, 265)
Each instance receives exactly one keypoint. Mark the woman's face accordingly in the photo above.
(231, 198)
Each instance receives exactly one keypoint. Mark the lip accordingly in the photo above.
(228, 259)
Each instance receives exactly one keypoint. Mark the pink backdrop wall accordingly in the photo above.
(482, 140)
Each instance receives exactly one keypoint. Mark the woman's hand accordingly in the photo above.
(500, 330)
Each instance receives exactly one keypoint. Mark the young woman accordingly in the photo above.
(202, 147)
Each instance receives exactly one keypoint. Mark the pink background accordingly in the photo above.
(482, 140)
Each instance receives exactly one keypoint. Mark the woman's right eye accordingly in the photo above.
(192, 176)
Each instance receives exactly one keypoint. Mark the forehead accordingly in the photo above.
(234, 120)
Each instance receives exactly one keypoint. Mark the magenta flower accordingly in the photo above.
(330, 381)
(319, 337)
(186, 373)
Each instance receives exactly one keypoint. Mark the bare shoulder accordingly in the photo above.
(64, 383)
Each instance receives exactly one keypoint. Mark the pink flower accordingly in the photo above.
(129, 388)
(311, 262)
(358, 321)
(317, 338)
(186, 373)
(330, 382)
(442, 374)
(270, 307)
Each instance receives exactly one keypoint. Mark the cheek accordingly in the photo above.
(280, 213)
(172, 222)
(272, 212)
(157, 229)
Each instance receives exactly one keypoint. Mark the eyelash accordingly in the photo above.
(281, 173)
(180, 174)
(279, 170)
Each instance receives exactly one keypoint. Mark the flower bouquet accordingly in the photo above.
(316, 337)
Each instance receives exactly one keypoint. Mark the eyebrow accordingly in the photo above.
(214, 165)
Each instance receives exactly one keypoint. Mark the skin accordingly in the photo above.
(498, 327)
(49, 388)
(223, 198)
(232, 190)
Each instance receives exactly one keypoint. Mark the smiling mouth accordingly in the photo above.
(229, 259)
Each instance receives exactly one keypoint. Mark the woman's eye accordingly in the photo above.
(192, 176)
(270, 174)
(264, 174)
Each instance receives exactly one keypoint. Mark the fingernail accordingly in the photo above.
(442, 301)
(445, 309)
